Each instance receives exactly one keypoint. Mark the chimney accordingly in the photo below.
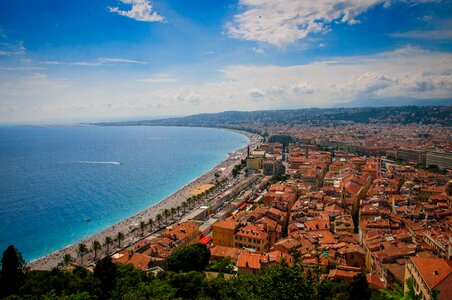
(246, 264)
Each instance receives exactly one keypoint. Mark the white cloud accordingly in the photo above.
(284, 22)
(256, 93)
(318, 84)
(424, 34)
(34, 85)
(403, 73)
(159, 78)
(258, 50)
(8, 49)
(22, 68)
(141, 10)
(97, 62)
(121, 60)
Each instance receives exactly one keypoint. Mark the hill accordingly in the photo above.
(440, 115)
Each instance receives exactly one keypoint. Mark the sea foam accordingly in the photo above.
(95, 162)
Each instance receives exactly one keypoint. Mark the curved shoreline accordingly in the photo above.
(52, 260)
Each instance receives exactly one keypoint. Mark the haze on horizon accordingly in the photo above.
(126, 59)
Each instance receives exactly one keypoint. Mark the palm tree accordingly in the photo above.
(151, 224)
(119, 238)
(173, 212)
(107, 243)
(96, 246)
(189, 202)
(67, 259)
(178, 210)
(159, 219)
(166, 213)
(184, 206)
(142, 227)
(81, 251)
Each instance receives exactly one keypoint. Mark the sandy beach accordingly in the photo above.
(224, 169)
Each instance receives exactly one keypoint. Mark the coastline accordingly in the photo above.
(225, 167)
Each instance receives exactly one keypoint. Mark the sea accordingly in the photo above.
(61, 184)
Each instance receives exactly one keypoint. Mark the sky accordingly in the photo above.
(85, 60)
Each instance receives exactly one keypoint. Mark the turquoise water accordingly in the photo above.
(52, 180)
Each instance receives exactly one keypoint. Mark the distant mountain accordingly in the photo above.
(441, 115)
(399, 101)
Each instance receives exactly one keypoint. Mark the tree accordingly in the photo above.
(178, 210)
(411, 292)
(96, 247)
(359, 288)
(189, 258)
(81, 251)
(108, 241)
(12, 273)
(434, 294)
(142, 227)
(173, 212)
(188, 285)
(398, 293)
(224, 265)
(67, 259)
(159, 219)
(106, 272)
(184, 206)
(166, 214)
(119, 238)
(151, 224)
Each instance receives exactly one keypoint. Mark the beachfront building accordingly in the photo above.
(186, 233)
(154, 252)
(223, 232)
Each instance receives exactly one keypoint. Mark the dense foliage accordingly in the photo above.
(112, 281)
(11, 275)
(189, 258)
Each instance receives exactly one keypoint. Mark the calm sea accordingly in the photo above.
(52, 180)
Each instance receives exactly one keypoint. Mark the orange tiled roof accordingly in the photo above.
(229, 223)
(433, 270)
(140, 261)
(249, 261)
(182, 230)
(223, 251)
(251, 231)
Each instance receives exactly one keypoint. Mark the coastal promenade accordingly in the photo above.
(128, 227)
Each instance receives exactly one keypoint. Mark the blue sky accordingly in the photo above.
(108, 59)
